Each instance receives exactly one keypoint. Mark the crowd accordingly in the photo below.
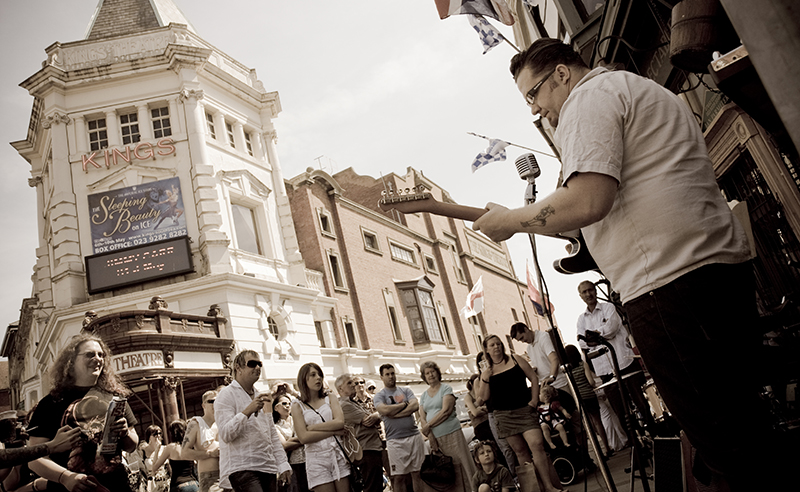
(292, 440)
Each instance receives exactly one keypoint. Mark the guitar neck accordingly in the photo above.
(454, 211)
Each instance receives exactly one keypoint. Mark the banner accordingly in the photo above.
(496, 9)
(474, 299)
(534, 294)
(137, 215)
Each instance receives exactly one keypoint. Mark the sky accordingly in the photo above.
(375, 85)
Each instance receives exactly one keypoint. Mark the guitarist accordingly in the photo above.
(639, 184)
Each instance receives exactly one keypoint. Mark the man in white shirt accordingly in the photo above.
(251, 453)
(603, 318)
(201, 443)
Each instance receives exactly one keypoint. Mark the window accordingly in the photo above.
(245, 230)
(430, 264)
(273, 327)
(402, 254)
(370, 241)
(456, 263)
(161, 124)
(129, 125)
(514, 314)
(350, 333)
(445, 327)
(229, 132)
(509, 344)
(325, 222)
(320, 335)
(336, 270)
(98, 134)
(391, 309)
(422, 317)
(476, 332)
(248, 143)
(210, 125)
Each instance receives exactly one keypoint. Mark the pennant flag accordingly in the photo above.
(490, 37)
(474, 299)
(496, 151)
(496, 9)
(535, 295)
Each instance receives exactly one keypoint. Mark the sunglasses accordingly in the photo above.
(359, 382)
(210, 400)
(92, 355)
(254, 363)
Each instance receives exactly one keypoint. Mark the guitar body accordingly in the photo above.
(417, 199)
(579, 259)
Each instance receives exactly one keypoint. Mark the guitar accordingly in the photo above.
(418, 199)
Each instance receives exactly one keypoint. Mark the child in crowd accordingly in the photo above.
(490, 476)
(552, 415)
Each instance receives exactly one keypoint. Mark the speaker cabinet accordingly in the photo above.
(668, 469)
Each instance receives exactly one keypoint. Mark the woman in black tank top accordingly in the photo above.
(504, 382)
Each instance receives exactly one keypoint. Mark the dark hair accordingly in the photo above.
(151, 429)
(241, 357)
(275, 415)
(471, 379)
(63, 375)
(518, 328)
(302, 384)
(177, 429)
(543, 55)
(429, 365)
(384, 366)
(502, 346)
(481, 444)
(573, 355)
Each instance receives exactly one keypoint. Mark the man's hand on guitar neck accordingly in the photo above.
(584, 199)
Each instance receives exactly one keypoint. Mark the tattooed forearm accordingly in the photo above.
(541, 218)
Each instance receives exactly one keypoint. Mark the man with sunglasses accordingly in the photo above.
(201, 443)
(638, 183)
(251, 454)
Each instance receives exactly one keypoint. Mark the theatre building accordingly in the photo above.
(163, 221)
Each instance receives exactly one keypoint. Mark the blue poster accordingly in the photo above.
(137, 215)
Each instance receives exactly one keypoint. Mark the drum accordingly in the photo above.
(657, 406)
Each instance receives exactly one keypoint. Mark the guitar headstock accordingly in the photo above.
(407, 200)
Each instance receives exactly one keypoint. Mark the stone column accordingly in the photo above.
(176, 122)
(145, 127)
(213, 242)
(238, 137)
(170, 397)
(112, 127)
(67, 262)
(219, 125)
(81, 137)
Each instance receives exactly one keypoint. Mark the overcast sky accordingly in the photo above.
(375, 85)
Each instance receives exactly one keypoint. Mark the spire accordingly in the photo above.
(120, 17)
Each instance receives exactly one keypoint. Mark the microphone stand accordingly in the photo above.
(530, 197)
(636, 453)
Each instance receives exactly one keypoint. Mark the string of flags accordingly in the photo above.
(496, 9)
(490, 37)
(496, 151)
(534, 295)
(474, 303)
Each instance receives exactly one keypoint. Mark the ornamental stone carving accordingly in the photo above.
(158, 303)
(187, 94)
(54, 119)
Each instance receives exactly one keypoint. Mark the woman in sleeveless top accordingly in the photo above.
(504, 380)
(184, 478)
(295, 451)
(318, 421)
(152, 448)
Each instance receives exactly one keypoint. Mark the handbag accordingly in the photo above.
(356, 479)
(438, 471)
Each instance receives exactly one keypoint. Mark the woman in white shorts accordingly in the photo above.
(318, 421)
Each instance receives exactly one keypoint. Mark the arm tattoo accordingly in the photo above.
(19, 456)
(541, 218)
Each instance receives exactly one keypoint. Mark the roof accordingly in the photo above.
(121, 17)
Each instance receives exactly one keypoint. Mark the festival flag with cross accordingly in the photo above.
(474, 300)
(534, 294)
(496, 9)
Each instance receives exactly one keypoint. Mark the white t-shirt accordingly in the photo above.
(537, 352)
(668, 216)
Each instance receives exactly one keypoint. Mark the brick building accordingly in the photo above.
(400, 280)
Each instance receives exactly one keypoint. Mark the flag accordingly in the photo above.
(535, 295)
(496, 151)
(496, 9)
(490, 37)
(474, 299)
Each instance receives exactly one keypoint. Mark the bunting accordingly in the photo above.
(490, 37)
(496, 9)
(496, 151)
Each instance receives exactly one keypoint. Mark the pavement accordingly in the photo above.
(594, 482)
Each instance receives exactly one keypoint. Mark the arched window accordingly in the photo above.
(273, 327)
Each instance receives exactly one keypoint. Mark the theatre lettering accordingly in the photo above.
(138, 360)
(141, 151)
